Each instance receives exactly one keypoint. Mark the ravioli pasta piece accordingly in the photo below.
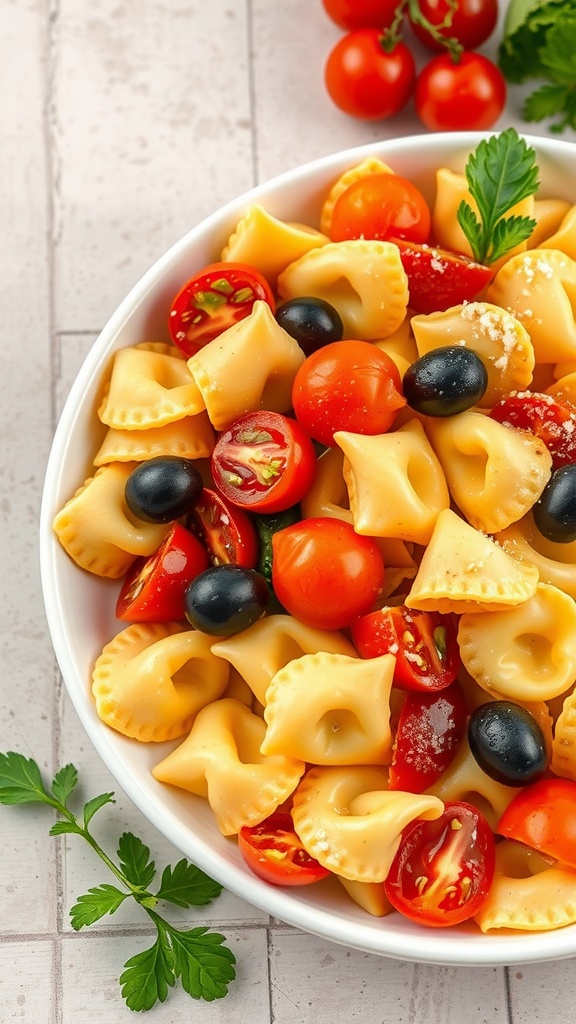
(555, 563)
(328, 495)
(539, 289)
(250, 366)
(351, 823)
(463, 780)
(564, 387)
(98, 531)
(262, 241)
(527, 893)
(151, 680)
(364, 280)
(331, 709)
(190, 438)
(400, 346)
(564, 742)
(551, 216)
(563, 235)
(494, 334)
(462, 570)
(370, 896)
(267, 646)
(495, 474)
(221, 761)
(370, 165)
(396, 487)
(150, 385)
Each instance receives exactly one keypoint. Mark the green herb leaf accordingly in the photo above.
(148, 976)
(104, 899)
(21, 781)
(65, 827)
(135, 860)
(95, 804)
(64, 783)
(203, 964)
(500, 173)
(187, 886)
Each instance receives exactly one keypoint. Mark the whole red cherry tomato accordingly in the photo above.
(324, 573)
(347, 385)
(430, 730)
(543, 816)
(381, 206)
(551, 419)
(438, 279)
(365, 81)
(473, 21)
(350, 14)
(153, 588)
(444, 868)
(217, 297)
(264, 462)
(425, 645)
(273, 851)
(468, 95)
(227, 533)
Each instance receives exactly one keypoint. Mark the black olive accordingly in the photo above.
(445, 381)
(312, 322)
(507, 742)
(226, 599)
(555, 511)
(163, 489)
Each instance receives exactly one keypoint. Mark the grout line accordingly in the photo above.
(251, 62)
(508, 994)
(269, 941)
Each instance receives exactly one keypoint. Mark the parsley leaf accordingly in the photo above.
(21, 781)
(64, 783)
(148, 975)
(501, 172)
(135, 860)
(104, 899)
(203, 964)
(187, 886)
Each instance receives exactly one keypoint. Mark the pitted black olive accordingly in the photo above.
(226, 599)
(163, 489)
(507, 742)
(312, 322)
(555, 511)
(445, 381)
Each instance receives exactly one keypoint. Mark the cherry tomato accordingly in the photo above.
(443, 869)
(216, 298)
(348, 385)
(264, 461)
(550, 419)
(473, 21)
(365, 81)
(351, 14)
(273, 851)
(226, 532)
(467, 96)
(430, 730)
(425, 645)
(324, 573)
(153, 589)
(438, 279)
(543, 816)
(381, 206)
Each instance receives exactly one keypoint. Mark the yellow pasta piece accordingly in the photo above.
(565, 387)
(551, 226)
(221, 761)
(495, 474)
(364, 280)
(555, 563)
(371, 896)
(370, 165)
(331, 709)
(190, 438)
(463, 780)
(269, 244)
(401, 346)
(564, 741)
(498, 337)
(351, 823)
(150, 385)
(260, 651)
(250, 366)
(563, 235)
(526, 653)
(462, 570)
(96, 528)
(396, 486)
(539, 288)
(151, 680)
(527, 893)
(328, 495)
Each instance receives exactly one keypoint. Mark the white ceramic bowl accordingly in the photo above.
(80, 609)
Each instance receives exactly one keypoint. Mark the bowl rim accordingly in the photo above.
(459, 948)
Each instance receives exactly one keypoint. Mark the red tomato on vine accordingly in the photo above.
(366, 81)
(472, 22)
(467, 95)
(352, 14)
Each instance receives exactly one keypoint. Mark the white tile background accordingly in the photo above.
(121, 125)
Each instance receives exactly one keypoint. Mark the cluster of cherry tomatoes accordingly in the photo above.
(371, 72)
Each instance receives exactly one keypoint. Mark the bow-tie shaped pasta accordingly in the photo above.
(528, 892)
(150, 385)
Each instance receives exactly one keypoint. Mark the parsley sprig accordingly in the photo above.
(197, 956)
(500, 173)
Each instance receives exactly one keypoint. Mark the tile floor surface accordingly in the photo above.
(121, 125)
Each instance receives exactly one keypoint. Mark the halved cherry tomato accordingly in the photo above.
(543, 816)
(324, 573)
(425, 645)
(273, 851)
(438, 279)
(264, 462)
(153, 589)
(549, 418)
(226, 532)
(430, 730)
(217, 297)
(347, 385)
(443, 869)
(381, 206)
